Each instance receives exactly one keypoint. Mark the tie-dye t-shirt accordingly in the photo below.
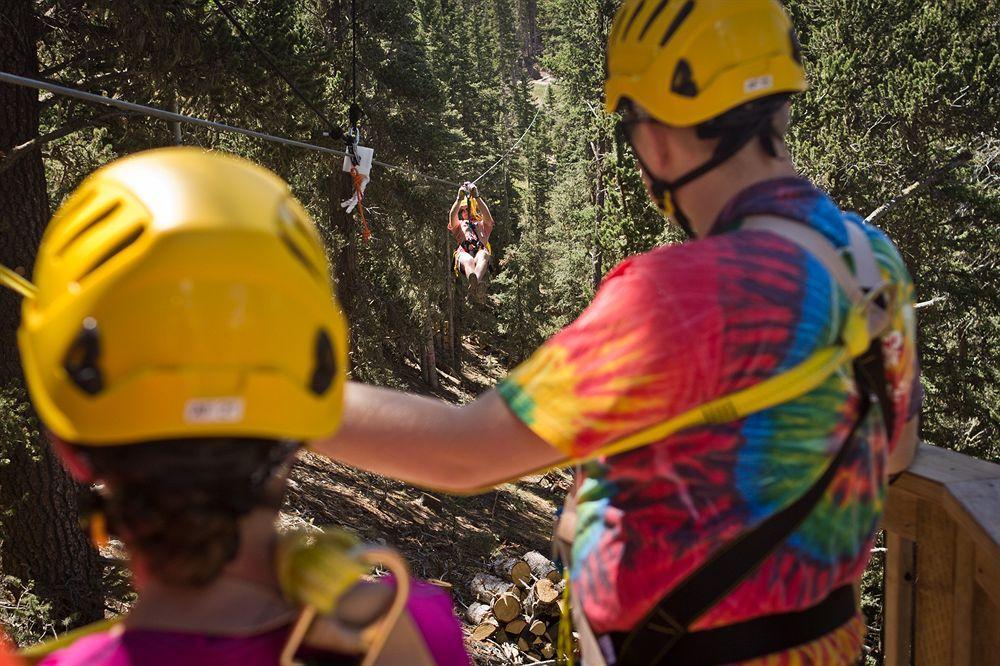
(674, 328)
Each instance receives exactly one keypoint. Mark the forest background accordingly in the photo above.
(900, 121)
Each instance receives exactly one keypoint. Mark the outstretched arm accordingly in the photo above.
(427, 442)
(453, 214)
(487, 216)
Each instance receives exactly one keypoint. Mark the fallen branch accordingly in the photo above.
(937, 176)
(927, 304)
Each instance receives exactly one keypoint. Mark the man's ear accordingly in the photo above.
(75, 463)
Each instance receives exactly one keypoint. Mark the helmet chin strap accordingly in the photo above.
(665, 191)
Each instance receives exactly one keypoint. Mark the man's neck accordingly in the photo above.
(703, 200)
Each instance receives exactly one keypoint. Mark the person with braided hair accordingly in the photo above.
(182, 343)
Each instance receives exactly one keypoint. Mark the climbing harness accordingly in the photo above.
(663, 636)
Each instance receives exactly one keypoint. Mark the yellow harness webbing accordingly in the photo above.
(14, 281)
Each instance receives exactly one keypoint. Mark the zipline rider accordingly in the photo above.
(471, 223)
(734, 404)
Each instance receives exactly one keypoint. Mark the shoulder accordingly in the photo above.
(94, 649)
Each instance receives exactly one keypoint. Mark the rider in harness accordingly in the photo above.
(471, 224)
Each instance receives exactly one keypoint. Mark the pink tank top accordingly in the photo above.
(429, 606)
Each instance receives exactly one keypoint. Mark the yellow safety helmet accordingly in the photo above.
(686, 62)
(183, 294)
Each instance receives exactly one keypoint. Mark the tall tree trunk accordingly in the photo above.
(596, 251)
(531, 40)
(346, 253)
(451, 337)
(42, 539)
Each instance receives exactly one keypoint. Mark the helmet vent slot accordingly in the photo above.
(652, 17)
(677, 22)
(326, 365)
(80, 362)
(682, 82)
(299, 254)
(120, 247)
(631, 20)
(102, 215)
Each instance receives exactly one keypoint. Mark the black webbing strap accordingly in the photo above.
(770, 634)
(665, 628)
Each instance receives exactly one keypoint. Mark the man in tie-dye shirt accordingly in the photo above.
(703, 89)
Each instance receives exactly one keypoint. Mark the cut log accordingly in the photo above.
(486, 587)
(541, 566)
(547, 651)
(506, 607)
(477, 613)
(537, 627)
(484, 630)
(522, 644)
(545, 591)
(513, 569)
(515, 626)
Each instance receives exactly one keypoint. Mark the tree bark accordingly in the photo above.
(597, 253)
(346, 252)
(531, 41)
(42, 541)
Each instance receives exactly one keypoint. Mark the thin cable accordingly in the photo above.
(512, 148)
(192, 120)
(335, 130)
(354, 62)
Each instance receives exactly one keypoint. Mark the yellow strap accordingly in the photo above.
(14, 281)
(35, 653)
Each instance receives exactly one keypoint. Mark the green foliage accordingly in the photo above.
(26, 619)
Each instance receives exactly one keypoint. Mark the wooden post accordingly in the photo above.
(900, 563)
(935, 592)
(964, 583)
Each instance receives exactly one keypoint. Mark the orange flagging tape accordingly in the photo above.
(358, 179)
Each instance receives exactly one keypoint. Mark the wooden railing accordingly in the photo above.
(942, 572)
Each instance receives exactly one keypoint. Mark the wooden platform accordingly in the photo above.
(942, 576)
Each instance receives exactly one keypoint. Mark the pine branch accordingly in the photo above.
(16, 153)
(937, 176)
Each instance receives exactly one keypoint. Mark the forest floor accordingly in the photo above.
(442, 537)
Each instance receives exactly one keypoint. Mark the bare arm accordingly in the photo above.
(453, 216)
(487, 216)
(906, 448)
(426, 442)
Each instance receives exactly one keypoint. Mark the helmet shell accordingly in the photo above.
(183, 294)
(688, 61)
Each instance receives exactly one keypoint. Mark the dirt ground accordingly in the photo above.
(442, 537)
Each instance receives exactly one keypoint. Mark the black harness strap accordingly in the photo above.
(662, 636)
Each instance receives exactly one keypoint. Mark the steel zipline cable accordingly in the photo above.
(170, 116)
(511, 150)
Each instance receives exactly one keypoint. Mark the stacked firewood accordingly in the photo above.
(518, 604)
